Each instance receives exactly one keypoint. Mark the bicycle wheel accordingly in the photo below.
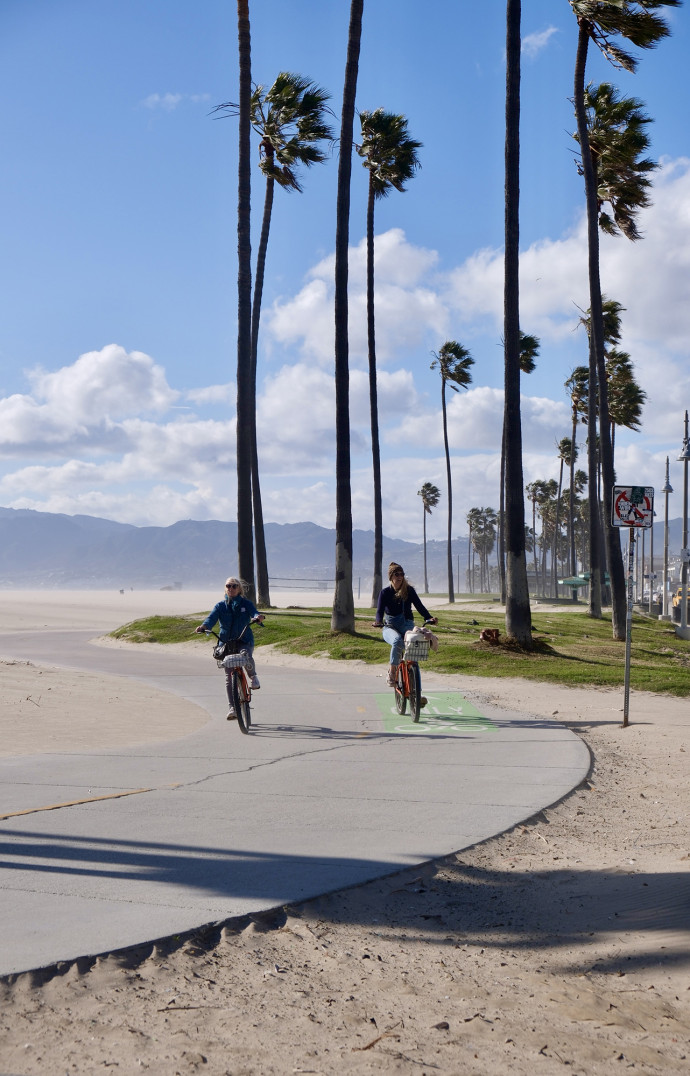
(240, 694)
(415, 681)
(400, 698)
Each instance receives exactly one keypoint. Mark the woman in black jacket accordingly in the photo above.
(394, 614)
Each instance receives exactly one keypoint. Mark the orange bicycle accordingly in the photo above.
(408, 679)
(232, 658)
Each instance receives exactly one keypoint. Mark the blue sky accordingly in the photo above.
(118, 258)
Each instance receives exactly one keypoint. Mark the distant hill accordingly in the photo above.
(46, 549)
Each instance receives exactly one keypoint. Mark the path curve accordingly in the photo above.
(331, 789)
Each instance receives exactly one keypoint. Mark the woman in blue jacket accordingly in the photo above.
(235, 612)
(394, 614)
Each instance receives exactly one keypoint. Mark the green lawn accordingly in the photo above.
(570, 648)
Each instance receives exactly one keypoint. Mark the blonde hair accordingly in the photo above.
(240, 582)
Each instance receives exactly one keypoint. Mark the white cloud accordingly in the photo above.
(80, 405)
(168, 102)
(214, 394)
(106, 435)
(408, 304)
(533, 44)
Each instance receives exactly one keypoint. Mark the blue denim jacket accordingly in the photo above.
(234, 614)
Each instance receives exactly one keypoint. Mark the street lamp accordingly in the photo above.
(667, 488)
(683, 458)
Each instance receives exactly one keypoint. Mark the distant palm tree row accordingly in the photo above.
(290, 119)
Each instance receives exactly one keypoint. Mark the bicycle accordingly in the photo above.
(408, 679)
(233, 660)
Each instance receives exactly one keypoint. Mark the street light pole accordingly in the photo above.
(683, 458)
(668, 488)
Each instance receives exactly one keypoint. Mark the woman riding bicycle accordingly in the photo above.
(394, 614)
(235, 613)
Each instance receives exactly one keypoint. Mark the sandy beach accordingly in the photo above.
(563, 944)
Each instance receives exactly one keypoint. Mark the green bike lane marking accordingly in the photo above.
(445, 712)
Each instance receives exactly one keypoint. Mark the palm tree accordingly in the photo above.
(567, 454)
(453, 362)
(245, 558)
(343, 613)
(578, 389)
(483, 540)
(518, 617)
(472, 519)
(430, 495)
(529, 349)
(289, 118)
(626, 398)
(617, 138)
(390, 155)
(602, 22)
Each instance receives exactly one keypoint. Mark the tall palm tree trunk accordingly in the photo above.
(262, 588)
(245, 558)
(343, 613)
(571, 506)
(374, 409)
(554, 547)
(597, 347)
(518, 617)
(501, 520)
(426, 576)
(470, 586)
(449, 552)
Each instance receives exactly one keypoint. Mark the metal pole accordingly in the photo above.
(628, 624)
(651, 564)
(684, 456)
(668, 488)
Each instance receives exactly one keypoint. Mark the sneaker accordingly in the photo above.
(232, 716)
(254, 683)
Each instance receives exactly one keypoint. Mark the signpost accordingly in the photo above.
(633, 507)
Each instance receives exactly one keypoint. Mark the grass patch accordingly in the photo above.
(570, 648)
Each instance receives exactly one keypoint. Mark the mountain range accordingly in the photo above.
(47, 549)
(88, 552)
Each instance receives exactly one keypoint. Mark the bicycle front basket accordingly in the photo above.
(417, 650)
(235, 661)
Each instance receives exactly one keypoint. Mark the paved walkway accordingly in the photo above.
(330, 789)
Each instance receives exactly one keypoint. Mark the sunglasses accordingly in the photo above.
(232, 586)
(396, 573)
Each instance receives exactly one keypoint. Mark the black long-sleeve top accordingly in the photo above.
(393, 605)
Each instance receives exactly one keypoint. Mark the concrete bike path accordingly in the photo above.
(330, 789)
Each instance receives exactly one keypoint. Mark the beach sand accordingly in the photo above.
(562, 945)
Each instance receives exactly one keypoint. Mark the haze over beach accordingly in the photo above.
(118, 334)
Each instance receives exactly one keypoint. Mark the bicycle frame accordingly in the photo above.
(238, 682)
(408, 685)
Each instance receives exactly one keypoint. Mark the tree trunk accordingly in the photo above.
(263, 594)
(571, 506)
(597, 349)
(426, 577)
(374, 408)
(343, 613)
(245, 558)
(451, 589)
(554, 545)
(518, 616)
(470, 583)
(501, 520)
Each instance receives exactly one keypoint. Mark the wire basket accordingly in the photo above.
(234, 661)
(417, 650)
